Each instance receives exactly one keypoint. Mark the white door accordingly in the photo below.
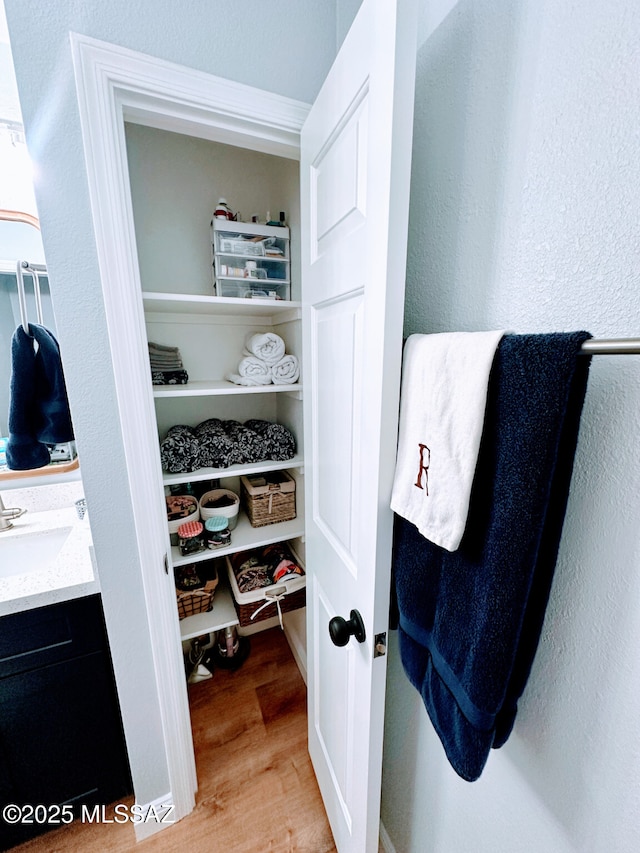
(355, 171)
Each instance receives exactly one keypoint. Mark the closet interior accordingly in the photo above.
(206, 290)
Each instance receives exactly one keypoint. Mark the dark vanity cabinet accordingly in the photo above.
(61, 740)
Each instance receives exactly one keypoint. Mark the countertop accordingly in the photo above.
(71, 575)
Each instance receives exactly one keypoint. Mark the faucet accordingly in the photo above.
(6, 515)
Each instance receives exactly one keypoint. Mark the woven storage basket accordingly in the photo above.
(292, 594)
(269, 499)
(198, 600)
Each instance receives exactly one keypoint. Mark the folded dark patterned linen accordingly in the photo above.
(180, 450)
(218, 444)
(249, 446)
(215, 445)
(280, 444)
(169, 377)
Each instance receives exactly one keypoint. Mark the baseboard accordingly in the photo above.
(149, 818)
(298, 649)
(385, 842)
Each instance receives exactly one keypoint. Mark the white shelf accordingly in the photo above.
(215, 311)
(225, 306)
(245, 537)
(222, 615)
(237, 470)
(220, 387)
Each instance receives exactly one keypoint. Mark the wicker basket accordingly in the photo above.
(252, 607)
(198, 600)
(288, 601)
(269, 499)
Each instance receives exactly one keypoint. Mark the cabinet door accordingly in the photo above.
(356, 151)
(60, 732)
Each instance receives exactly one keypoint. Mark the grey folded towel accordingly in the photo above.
(162, 349)
(162, 357)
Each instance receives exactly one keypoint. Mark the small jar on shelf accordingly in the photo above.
(217, 533)
(190, 538)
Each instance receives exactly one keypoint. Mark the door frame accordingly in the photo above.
(115, 85)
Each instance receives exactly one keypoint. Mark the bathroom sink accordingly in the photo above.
(30, 552)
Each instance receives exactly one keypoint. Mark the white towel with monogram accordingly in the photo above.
(443, 399)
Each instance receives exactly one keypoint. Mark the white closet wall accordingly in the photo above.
(176, 181)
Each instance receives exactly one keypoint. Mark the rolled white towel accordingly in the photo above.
(251, 371)
(286, 371)
(265, 345)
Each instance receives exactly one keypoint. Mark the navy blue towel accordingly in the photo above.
(470, 620)
(39, 414)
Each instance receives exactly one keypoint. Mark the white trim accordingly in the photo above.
(168, 96)
(149, 818)
(115, 84)
(385, 841)
(297, 649)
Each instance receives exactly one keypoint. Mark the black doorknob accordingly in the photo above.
(340, 630)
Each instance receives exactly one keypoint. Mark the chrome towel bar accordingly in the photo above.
(611, 346)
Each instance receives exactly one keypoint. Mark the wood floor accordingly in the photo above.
(257, 791)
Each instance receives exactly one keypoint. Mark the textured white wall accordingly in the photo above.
(285, 48)
(345, 13)
(524, 216)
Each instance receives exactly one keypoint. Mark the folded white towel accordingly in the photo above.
(265, 345)
(251, 371)
(443, 399)
(286, 371)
